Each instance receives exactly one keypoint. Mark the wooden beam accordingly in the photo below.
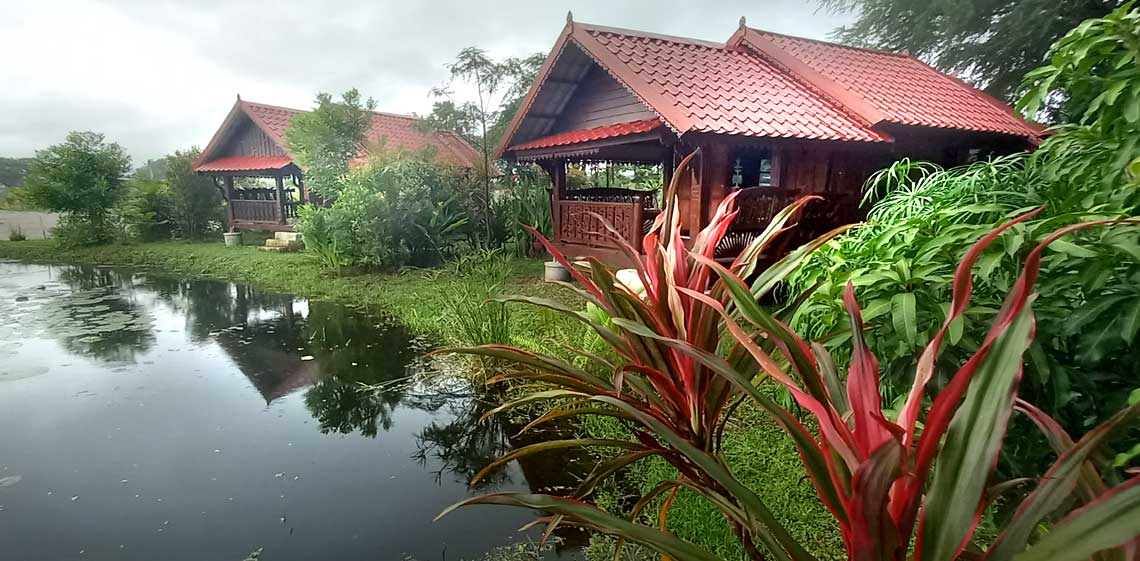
(280, 199)
(228, 194)
(558, 179)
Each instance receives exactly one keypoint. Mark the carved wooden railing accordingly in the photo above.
(290, 209)
(577, 223)
(255, 211)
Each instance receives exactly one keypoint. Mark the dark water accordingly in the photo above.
(144, 417)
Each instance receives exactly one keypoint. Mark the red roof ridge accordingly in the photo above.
(409, 116)
(649, 35)
(838, 95)
(830, 44)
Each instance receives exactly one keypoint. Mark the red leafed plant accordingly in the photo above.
(910, 487)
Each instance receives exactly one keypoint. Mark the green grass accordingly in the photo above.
(416, 298)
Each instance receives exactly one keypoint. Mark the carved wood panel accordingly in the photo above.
(576, 224)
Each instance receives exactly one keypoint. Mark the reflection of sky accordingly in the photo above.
(177, 456)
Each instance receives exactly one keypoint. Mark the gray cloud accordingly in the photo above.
(159, 75)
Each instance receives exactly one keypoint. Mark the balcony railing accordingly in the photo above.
(255, 211)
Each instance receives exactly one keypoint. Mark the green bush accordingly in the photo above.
(147, 212)
(396, 211)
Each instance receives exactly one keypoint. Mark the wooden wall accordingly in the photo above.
(249, 140)
(598, 101)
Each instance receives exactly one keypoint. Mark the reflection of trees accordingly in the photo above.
(99, 318)
(361, 362)
(465, 444)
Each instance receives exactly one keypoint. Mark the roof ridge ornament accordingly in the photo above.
(743, 22)
(570, 19)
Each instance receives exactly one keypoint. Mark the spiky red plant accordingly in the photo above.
(698, 340)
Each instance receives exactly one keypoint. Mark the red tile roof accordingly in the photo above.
(769, 85)
(903, 88)
(589, 135)
(396, 131)
(701, 87)
(246, 163)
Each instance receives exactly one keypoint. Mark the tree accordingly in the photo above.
(499, 88)
(83, 177)
(991, 43)
(325, 140)
(196, 200)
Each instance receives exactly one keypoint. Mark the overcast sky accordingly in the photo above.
(159, 75)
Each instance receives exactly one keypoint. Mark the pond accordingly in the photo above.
(147, 417)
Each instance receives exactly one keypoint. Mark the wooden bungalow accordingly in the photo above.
(251, 144)
(776, 117)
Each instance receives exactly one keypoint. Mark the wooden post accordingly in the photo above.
(558, 178)
(638, 223)
(228, 194)
(301, 194)
(280, 199)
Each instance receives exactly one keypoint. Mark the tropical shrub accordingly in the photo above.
(197, 203)
(526, 208)
(147, 210)
(396, 210)
(83, 177)
(697, 343)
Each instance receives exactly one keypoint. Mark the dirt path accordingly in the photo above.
(34, 225)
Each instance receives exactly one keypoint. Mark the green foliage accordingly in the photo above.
(17, 198)
(471, 316)
(17, 235)
(993, 43)
(197, 204)
(1097, 63)
(84, 178)
(327, 139)
(524, 207)
(395, 211)
(147, 210)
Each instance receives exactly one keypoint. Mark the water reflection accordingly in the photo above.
(348, 448)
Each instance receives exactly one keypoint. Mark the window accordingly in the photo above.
(752, 167)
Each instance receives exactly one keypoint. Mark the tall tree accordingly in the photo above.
(497, 88)
(327, 139)
(991, 43)
(82, 177)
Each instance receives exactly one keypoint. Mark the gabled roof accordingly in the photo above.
(761, 84)
(397, 131)
(902, 88)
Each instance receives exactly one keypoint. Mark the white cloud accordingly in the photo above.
(159, 75)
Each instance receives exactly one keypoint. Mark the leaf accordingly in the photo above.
(1131, 322)
(1060, 480)
(594, 518)
(903, 315)
(972, 442)
(553, 445)
(1070, 248)
(1108, 522)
